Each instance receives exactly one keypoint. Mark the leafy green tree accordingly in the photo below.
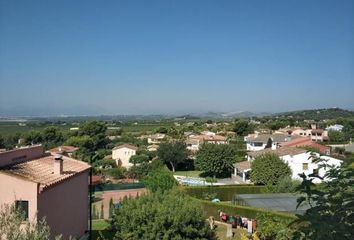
(94, 212)
(137, 159)
(243, 127)
(116, 173)
(105, 163)
(161, 130)
(32, 137)
(84, 141)
(93, 128)
(273, 227)
(216, 160)
(268, 169)
(172, 153)
(102, 211)
(111, 208)
(284, 185)
(336, 137)
(52, 136)
(96, 131)
(331, 214)
(13, 227)
(160, 180)
(2, 142)
(142, 170)
(171, 215)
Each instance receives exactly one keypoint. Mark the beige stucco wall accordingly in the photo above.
(21, 154)
(65, 206)
(123, 155)
(13, 188)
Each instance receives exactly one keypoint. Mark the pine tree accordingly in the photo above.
(102, 214)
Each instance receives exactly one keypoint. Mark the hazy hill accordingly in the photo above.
(317, 114)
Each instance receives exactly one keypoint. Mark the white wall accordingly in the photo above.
(251, 147)
(296, 163)
(122, 156)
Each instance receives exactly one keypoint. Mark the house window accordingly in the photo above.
(315, 172)
(258, 144)
(23, 207)
(305, 166)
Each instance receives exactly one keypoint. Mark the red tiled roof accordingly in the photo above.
(245, 165)
(303, 142)
(96, 179)
(283, 151)
(208, 138)
(40, 170)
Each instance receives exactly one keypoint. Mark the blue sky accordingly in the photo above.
(131, 57)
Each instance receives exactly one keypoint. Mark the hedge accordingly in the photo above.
(224, 192)
(118, 186)
(212, 209)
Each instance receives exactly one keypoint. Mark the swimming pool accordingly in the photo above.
(189, 181)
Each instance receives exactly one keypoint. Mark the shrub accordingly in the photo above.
(268, 169)
(285, 185)
(169, 215)
(105, 163)
(160, 180)
(116, 173)
(216, 160)
(270, 226)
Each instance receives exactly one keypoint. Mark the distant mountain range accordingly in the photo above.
(311, 114)
(317, 114)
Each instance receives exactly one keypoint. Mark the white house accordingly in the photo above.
(195, 141)
(299, 160)
(156, 138)
(152, 148)
(257, 142)
(122, 153)
(335, 127)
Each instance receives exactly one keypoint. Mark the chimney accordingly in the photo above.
(58, 164)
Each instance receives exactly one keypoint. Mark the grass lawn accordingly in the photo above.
(221, 232)
(188, 173)
(101, 226)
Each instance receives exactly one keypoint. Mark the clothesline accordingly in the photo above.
(239, 221)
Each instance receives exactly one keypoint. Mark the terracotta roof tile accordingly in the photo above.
(283, 151)
(245, 165)
(40, 170)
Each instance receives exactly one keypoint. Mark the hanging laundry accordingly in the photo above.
(249, 226)
(244, 222)
(254, 225)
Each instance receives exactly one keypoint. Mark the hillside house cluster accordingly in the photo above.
(314, 133)
(194, 142)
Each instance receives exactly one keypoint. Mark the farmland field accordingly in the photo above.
(8, 127)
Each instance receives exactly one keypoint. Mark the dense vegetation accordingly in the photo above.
(331, 213)
(317, 114)
(216, 160)
(169, 215)
(269, 169)
(13, 227)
